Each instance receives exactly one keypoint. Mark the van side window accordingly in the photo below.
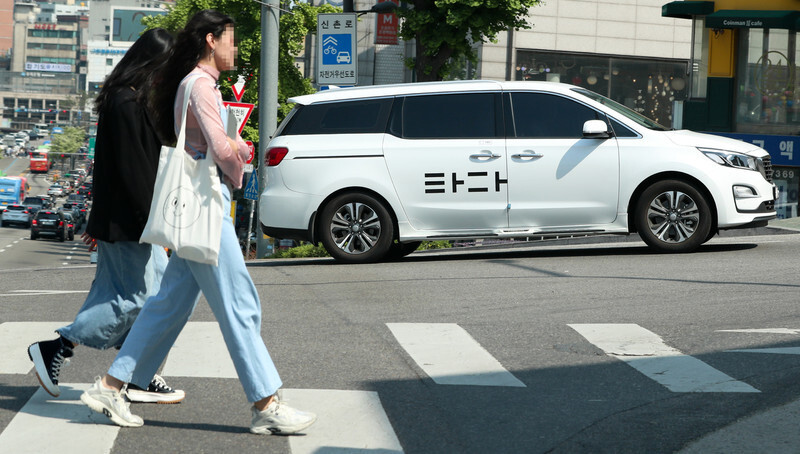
(544, 116)
(341, 117)
(451, 116)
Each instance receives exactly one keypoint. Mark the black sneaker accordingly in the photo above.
(157, 392)
(48, 357)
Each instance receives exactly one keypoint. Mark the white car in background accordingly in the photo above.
(372, 171)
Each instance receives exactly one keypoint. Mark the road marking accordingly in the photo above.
(41, 292)
(646, 352)
(206, 337)
(762, 330)
(15, 337)
(347, 421)
(64, 425)
(450, 356)
(776, 350)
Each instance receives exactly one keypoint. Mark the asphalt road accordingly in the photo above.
(557, 318)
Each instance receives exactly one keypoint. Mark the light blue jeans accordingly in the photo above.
(234, 300)
(127, 274)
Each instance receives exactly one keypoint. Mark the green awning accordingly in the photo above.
(687, 9)
(753, 19)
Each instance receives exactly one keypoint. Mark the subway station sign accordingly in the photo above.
(783, 150)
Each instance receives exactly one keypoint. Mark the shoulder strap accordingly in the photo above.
(181, 144)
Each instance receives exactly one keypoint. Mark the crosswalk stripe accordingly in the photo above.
(646, 352)
(64, 425)
(347, 421)
(15, 337)
(185, 360)
(450, 356)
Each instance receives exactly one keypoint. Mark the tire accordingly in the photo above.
(356, 228)
(71, 236)
(400, 250)
(33, 236)
(2, 223)
(673, 216)
(62, 238)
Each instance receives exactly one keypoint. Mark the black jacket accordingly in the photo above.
(125, 165)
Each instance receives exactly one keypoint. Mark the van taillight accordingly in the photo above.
(276, 155)
(34, 222)
(61, 223)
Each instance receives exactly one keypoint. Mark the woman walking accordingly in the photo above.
(128, 273)
(203, 49)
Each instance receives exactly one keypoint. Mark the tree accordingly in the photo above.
(445, 30)
(294, 26)
(68, 142)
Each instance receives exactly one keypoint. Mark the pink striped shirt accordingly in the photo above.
(204, 128)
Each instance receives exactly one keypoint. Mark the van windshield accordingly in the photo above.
(622, 110)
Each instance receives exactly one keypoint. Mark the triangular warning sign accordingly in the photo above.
(251, 190)
(238, 88)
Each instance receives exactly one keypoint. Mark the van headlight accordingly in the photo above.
(731, 159)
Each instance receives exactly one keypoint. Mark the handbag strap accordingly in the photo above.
(181, 144)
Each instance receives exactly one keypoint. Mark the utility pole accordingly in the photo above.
(267, 98)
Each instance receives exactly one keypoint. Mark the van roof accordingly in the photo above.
(378, 91)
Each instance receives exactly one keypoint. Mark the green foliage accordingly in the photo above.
(441, 244)
(304, 250)
(294, 27)
(445, 30)
(68, 142)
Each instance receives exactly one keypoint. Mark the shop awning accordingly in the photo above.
(753, 19)
(686, 9)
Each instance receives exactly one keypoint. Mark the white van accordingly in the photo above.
(372, 171)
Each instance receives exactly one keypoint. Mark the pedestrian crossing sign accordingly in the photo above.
(251, 190)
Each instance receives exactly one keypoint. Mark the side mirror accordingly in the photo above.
(596, 129)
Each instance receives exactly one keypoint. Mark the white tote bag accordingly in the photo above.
(186, 212)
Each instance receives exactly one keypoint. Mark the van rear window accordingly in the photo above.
(341, 117)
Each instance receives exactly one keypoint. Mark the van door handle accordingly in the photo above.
(527, 154)
(486, 154)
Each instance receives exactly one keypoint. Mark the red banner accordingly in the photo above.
(387, 26)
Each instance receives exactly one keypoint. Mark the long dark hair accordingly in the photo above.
(138, 68)
(190, 48)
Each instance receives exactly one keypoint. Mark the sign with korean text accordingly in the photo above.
(336, 44)
(241, 111)
(386, 27)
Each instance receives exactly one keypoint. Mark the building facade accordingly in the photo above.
(744, 81)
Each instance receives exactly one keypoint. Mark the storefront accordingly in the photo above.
(744, 80)
(648, 86)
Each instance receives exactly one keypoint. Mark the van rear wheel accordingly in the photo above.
(356, 228)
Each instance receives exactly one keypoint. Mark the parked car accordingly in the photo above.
(372, 171)
(56, 190)
(71, 228)
(16, 214)
(49, 223)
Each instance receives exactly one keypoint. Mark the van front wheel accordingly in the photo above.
(673, 216)
(356, 228)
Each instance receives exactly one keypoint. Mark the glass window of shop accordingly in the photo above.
(788, 181)
(768, 95)
(647, 86)
(699, 75)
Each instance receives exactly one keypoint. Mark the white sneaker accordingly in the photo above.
(279, 418)
(110, 403)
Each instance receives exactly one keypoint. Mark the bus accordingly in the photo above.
(39, 161)
(13, 190)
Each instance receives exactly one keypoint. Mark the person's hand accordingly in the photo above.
(89, 241)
